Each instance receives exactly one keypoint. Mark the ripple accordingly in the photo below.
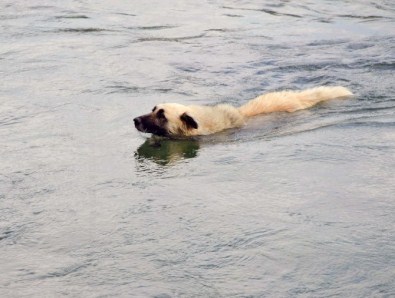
(72, 17)
(359, 110)
(62, 272)
(126, 14)
(6, 234)
(249, 240)
(82, 30)
(233, 15)
(368, 123)
(328, 42)
(381, 65)
(169, 39)
(124, 89)
(268, 11)
(162, 27)
(222, 30)
(39, 7)
(365, 18)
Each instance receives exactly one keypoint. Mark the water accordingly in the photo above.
(293, 205)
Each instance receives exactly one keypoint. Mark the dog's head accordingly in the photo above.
(167, 119)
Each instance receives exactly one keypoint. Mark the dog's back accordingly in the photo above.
(290, 101)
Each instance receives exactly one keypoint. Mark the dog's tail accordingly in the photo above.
(290, 101)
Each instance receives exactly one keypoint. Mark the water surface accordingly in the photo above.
(292, 205)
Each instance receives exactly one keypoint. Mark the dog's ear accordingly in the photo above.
(189, 121)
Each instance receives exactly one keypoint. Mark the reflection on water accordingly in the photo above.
(165, 151)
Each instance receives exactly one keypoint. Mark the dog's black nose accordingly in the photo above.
(137, 121)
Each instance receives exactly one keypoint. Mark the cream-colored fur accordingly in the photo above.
(212, 119)
(290, 101)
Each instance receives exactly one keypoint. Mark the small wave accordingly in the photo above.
(10, 17)
(169, 39)
(38, 7)
(306, 67)
(162, 27)
(163, 90)
(66, 270)
(233, 15)
(222, 30)
(324, 20)
(367, 123)
(11, 120)
(72, 17)
(6, 234)
(124, 89)
(268, 11)
(382, 65)
(249, 240)
(188, 68)
(364, 18)
(126, 14)
(366, 110)
(82, 30)
(327, 42)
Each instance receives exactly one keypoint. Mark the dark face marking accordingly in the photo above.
(161, 114)
(188, 121)
(154, 123)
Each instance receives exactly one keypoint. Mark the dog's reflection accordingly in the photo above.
(167, 151)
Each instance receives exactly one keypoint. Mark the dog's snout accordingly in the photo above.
(137, 121)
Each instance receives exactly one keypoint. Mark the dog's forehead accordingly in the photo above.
(172, 108)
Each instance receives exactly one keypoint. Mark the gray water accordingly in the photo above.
(292, 205)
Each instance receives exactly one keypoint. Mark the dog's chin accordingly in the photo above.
(161, 133)
(140, 128)
(152, 130)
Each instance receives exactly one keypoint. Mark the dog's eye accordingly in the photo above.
(161, 114)
(153, 110)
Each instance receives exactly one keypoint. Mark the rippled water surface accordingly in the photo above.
(292, 205)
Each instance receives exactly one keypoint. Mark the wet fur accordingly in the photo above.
(172, 119)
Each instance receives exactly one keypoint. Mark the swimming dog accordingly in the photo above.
(176, 120)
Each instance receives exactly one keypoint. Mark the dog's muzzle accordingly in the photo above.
(138, 123)
(145, 123)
